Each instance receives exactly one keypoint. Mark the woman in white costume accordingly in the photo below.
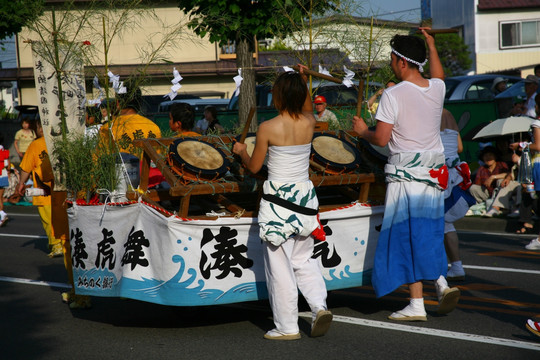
(288, 210)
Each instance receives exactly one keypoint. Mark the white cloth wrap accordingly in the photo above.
(288, 178)
(415, 167)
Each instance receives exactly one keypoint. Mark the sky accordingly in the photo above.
(391, 9)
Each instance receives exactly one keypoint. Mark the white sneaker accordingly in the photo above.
(514, 214)
(533, 245)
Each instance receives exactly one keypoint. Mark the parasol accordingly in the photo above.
(506, 126)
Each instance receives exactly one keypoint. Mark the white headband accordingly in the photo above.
(420, 65)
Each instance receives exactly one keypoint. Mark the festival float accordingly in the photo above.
(195, 241)
(197, 256)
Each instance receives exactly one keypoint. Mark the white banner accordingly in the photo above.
(73, 95)
(135, 252)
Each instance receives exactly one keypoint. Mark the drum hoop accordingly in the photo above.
(194, 169)
(350, 166)
(263, 173)
(370, 149)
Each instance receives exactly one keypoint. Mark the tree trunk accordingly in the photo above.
(246, 100)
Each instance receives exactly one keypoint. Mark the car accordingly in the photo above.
(335, 94)
(474, 87)
(197, 104)
(506, 100)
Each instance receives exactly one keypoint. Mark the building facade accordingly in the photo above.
(502, 36)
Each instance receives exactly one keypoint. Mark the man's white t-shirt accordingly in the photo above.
(415, 113)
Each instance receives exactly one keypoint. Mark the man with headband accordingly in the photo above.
(410, 246)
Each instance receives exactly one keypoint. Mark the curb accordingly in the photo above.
(495, 224)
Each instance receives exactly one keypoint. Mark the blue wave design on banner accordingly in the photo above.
(182, 293)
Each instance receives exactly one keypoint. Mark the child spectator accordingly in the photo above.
(24, 137)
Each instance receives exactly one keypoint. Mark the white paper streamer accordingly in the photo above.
(288, 69)
(347, 81)
(238, 81)
(115, 81)
(324, 70)
(176, 84)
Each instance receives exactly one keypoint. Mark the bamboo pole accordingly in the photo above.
(319, 75)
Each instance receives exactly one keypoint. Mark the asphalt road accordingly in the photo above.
(501, 291)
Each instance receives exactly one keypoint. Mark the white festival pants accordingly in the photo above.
(289, 268)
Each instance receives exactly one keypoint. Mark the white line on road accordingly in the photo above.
(357, 321)
(433, 332)
(489, 268)
(35, 282)
(19, 214)
(25, 236)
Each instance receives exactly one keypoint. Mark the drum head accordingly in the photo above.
(199, 156)
(250, 143)
(335, 152)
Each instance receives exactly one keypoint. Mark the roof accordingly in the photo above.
(507, 4)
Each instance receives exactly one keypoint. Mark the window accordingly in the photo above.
(480, 90)
(519, 34)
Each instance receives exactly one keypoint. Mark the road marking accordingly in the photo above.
(35, 282)
(433, 332)
(25, 236)
(355, 321)
(16, 214)
(515, 254)
(489, 268)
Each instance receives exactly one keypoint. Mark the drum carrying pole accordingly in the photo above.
(434, 32)
(360, 98)
(246, 126)
(319, 75)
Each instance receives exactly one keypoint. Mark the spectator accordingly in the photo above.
(499, 85)
(528, 107)
(210, 122)
(373, 104)
(487, 175)
(323, 114)
(4, 178)
(24, 137)
(10, 194)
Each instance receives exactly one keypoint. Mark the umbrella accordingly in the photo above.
(501, 127)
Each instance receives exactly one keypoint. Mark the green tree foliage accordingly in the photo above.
(244, 20)
(15, 14)
(233, 20)
(454, 54)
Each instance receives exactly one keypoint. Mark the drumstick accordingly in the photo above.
(360, 98)
(246, 126)
(438, 31)
(319, 75)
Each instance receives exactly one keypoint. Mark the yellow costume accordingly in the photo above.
(32, 163)
(187, 134)
(126, 128)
